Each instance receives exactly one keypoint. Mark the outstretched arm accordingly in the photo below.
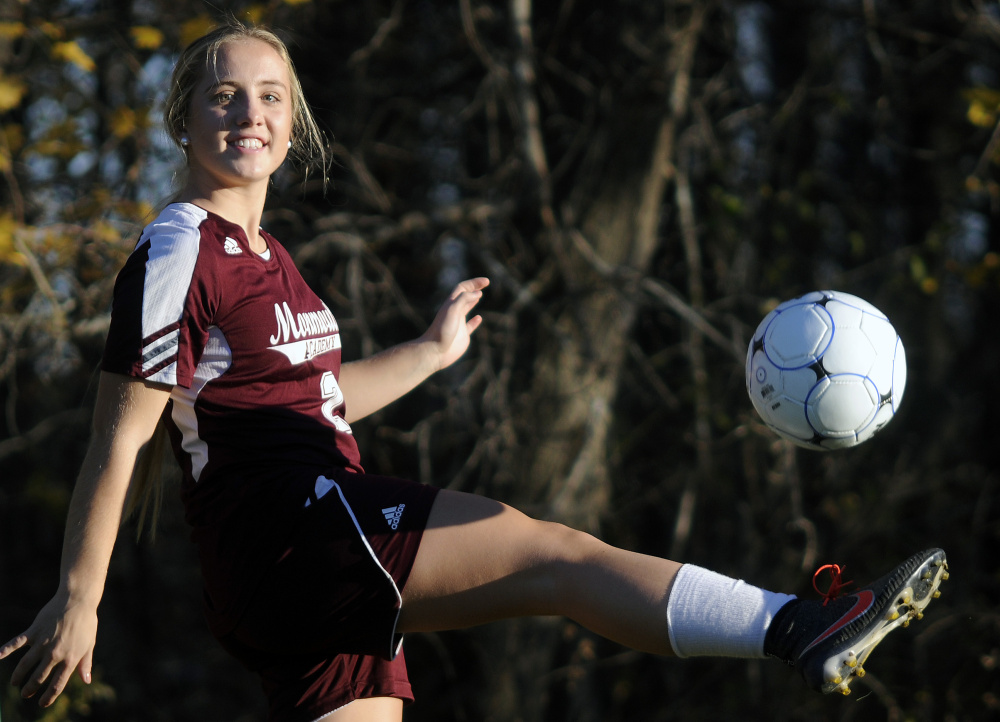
(62, 637)
(371, 383)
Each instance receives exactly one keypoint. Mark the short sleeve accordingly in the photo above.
(162, 308)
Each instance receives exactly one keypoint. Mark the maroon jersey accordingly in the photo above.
(253, 357)
(252, 353)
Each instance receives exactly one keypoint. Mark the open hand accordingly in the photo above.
(59, 641)
(451, 330)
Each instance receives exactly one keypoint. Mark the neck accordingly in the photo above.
(242, 206)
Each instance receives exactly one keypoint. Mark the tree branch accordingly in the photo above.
(42, 430)
(525, 77)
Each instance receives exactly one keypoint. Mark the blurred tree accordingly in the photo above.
(642, 183)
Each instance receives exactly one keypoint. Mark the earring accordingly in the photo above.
(185, 141)
(289, 145)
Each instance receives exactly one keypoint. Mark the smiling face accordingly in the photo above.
(239, 119)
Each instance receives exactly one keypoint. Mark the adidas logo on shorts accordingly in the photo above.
(393, 514)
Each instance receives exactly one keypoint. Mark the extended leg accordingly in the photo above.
(481, 561)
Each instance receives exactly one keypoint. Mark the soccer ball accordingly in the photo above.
(826, 370)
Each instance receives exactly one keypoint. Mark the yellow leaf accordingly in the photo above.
(195, 28)
(146, 37)
(981, 116)
(296, 2)
(123, 122)
(14, 135)
(135, 211)
(8, 253)
(59, 245)
(71, 52)
(143, 210)
(983, 106)
(102, 196)
(62, 140)
(105, 232)
(51, 30)
(12, 31)
(12, 93)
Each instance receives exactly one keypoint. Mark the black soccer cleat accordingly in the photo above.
(829, 641)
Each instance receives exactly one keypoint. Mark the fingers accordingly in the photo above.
(59, 678)
(13, 645)
(86, 665)
(27, 662)
(39, 669)
(463, 299)
(466, 295)
(471, 285)
(31, 673)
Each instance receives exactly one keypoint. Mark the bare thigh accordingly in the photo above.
(478, 561)
(371, 709)
(481, 561)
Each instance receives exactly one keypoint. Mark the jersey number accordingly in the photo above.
(334, 397)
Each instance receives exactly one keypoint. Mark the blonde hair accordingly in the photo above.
(145, 495)
(309, 148)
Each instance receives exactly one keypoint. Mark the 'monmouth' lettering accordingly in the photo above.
(302, 325)
(304, 336)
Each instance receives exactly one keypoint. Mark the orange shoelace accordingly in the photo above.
(835, 582)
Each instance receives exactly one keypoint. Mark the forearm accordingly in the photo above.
(92, 525)
(375, 382)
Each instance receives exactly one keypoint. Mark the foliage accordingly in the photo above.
(641, 183)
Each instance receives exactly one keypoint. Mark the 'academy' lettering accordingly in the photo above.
(304, 327)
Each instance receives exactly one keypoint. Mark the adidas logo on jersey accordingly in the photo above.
(232, 247)
(393, 514)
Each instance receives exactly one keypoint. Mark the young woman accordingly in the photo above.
(314, 569)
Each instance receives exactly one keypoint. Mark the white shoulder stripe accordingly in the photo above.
(160, 349)
(173, 253)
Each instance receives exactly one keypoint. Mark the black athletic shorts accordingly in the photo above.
(321, 628)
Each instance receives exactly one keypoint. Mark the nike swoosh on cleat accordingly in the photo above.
(865, 600)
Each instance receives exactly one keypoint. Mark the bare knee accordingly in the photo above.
(567, 557)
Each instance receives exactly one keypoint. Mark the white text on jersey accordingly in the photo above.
(304, 327)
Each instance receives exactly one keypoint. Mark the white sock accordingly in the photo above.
(711, 615)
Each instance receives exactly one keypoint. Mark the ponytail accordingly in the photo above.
(145, 496)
